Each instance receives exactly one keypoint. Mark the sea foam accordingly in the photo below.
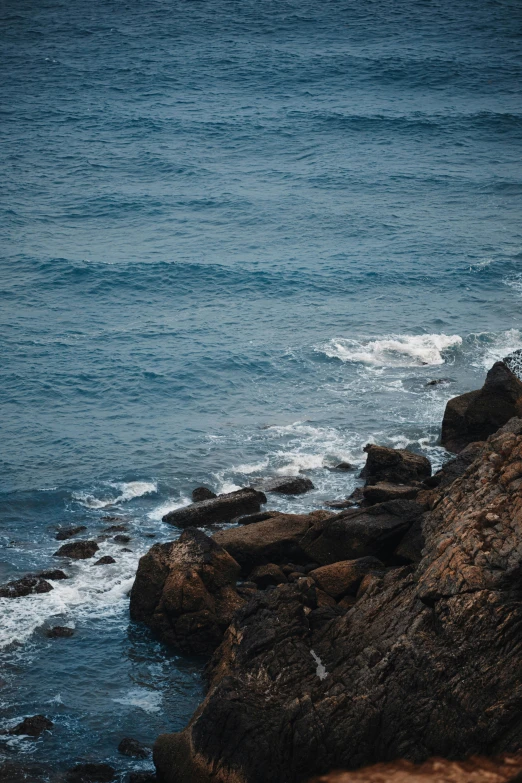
(400, 350)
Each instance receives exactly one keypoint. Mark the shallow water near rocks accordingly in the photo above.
(238, 241)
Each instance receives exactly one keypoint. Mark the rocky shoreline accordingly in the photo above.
(388, 628)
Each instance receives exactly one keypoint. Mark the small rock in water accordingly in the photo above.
(121, 539)
(105, 560)
(286, 485)
(438, 381)
(28, 585)
(54, 574)
(344, 466)
(132, 747)
(90, 773)
(60, 632)
(202, 493)
(220, 509)
(78, 550)
(115, 529)
(32, 727)
(109, 518)
(69, 532)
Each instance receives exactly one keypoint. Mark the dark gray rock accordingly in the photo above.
(134, 748)
(383, 491)
(60, 632)
(249, 519)
(69, 532)
(121, 539)
(25, 586)
(286, 485)
(32, 727)
(54, 574)
(78, 550)
(202, 493)
(396, 466)
(220, 509)
(105, 560)
(90, 773)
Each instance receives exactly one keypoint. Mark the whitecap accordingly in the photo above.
(401, 350)
(157, 514)
(129, 490)
(493, 347)
(149, 701)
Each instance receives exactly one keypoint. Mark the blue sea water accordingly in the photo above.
(237, 240)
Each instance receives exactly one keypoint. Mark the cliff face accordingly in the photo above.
(426, 662)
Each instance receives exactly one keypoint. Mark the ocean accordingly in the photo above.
(238, 239)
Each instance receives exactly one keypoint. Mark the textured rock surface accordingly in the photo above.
(286, 485)
(395, 466)
(476, 415)
(475, 770)
(383, 491)
(185, 592)
(28, 585)
(427, 662)
(220, 509)
(69, 532)
(33, 726)
(202, 493)
(78, 550)
(344, 577)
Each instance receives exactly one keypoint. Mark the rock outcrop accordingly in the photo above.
(185, 592)
(78, 550)
(426, 661)
(394, 466)
(28, 585)
(32, 727)
(476, 415)
(223, 508)
(286, 485)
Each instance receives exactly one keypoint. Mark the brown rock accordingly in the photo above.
(223, 508)
(202, 493)
(105, 560)
(383, 491)
(78, 550)
(395, 466)
(286, 485)
(25, 586)
(344, 577)
(69, 532)
(476, 415)
(185, 591)
(266, 575)
(134, 748)
(90, 773)
(249, 519)
(32, 727)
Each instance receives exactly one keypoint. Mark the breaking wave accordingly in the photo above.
(401, 350)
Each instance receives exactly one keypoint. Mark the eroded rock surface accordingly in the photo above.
(286, 485)
(222, 508)
(426, 662)
(394, 466)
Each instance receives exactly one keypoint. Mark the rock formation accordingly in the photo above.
(223, 508)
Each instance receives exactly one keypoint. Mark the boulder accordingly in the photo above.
(28, 585)
(134, 748)
(105, 560)
(395, 466)
(277, 540)
(249, 519)
(32, 727)
(54, 574)
(476, 415)
(69, 532)
(375, 531)
(90, 773)
(426, 662)
(60, 632)
(78, 550)
(266, 575)
(286, 485)
(340, 579)
(506, 769)
(121, 538)
(383, 490)
(202, 493)
(344, 466)
(220, 509)
(185, 592)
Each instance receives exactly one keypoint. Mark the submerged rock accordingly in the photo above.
(60, 632)
(69, 532)
(425, 663)
(32, 727)
(105, 560)
(261, 516)
(476, 415)
(78, 550)
(286, 485)
(202, 493)
(395, 466)
(134, 748)
(27, 585)
(220, 509)
(55, 574)
(90, 773)
(185, 592)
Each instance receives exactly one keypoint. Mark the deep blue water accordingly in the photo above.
(237, 238)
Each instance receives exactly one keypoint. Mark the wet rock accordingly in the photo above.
(78, 550)
(22, 773)
(32, 727)
(202, 493)
(344, 466)
(439, 381)
(111, 518)
(185, 592)
(425, 663)
(90, 773)
(28, 585)
(383, 491)
(266, 575)
(54, 574)
(105, 560)
(59, 632)
(116, 529)
(456, 467)
(69, 532)
(134, 748)
(220, 509)
(475, 770)
(395, 466)
(375, 531)
(341, 504)
(121, 539)
(142, 777)
(476, 415)
(277, 540)
(340, 579)
(286, 485)
(261, 516)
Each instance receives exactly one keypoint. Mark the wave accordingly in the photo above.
(399, 350)
(129, 490)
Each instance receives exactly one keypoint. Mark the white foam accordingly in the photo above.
(400, 350)
(495, 347)
(149, 701)
(129, 490)
(159, 512)
(255, 467)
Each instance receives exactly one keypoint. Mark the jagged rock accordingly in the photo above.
(339, 579)
(105, 560)
(383, 491)
(220, 509)
(134, 748)
(69, 532)
(426, 663)
(505, 769)
(54, 574)
(32, 727)
(395, 466)
(78, 550)
(266, 575)
(476, 415)
(375, 531)
(261, 516)
(185, 592)
(286, 485)
(27, 585)
(90, 773)
(60, 632)
(202, 493)
(277, 540)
